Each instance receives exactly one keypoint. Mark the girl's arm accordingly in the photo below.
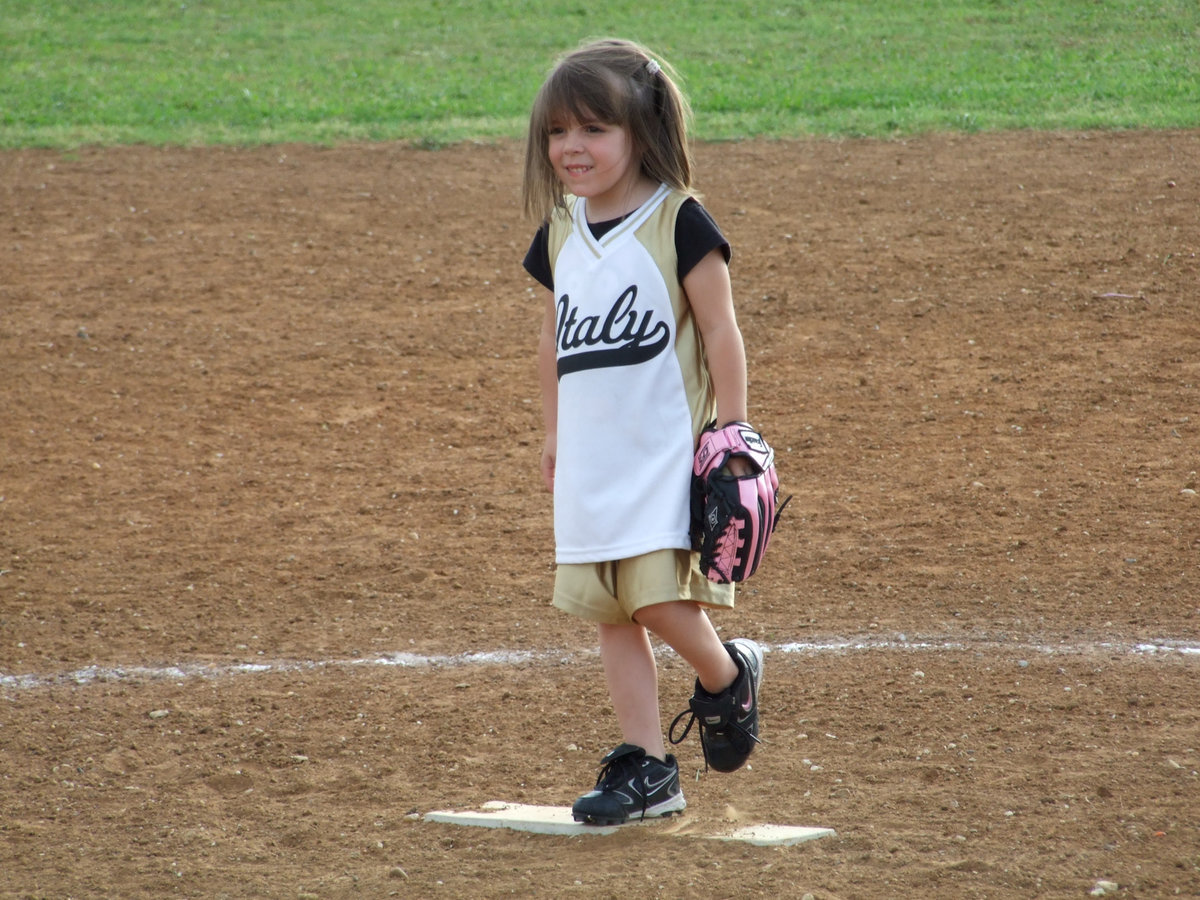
(548, 378)
(711, 296)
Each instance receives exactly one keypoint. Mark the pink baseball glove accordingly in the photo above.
(733, 517)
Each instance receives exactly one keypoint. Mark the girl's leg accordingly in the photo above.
(632, 675)
(725, 701)
(690, 633)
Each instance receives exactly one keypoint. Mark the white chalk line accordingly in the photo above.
(93, 675)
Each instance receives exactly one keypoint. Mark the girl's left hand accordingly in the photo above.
(739, 466)
(549, 457)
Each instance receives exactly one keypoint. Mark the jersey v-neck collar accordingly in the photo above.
(626, 226)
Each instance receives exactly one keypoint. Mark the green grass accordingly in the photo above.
(252, 71)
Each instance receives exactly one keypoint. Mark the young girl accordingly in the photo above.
(639, 350)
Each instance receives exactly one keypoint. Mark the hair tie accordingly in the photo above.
(653, 68)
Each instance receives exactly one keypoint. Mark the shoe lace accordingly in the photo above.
(618, 771)
(705, 728)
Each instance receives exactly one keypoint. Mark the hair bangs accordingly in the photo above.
(583, 93)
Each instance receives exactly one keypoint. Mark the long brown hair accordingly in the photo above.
(620, 83)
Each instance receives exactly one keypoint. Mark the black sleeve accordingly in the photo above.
(537, 259)
(697, 235)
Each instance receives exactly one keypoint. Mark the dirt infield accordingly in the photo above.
(270, 417)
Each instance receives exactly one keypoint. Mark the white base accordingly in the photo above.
(557, 820)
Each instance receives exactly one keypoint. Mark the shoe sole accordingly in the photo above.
(639, 816)
(669, 807)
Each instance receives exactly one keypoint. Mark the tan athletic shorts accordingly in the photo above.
(613, 592)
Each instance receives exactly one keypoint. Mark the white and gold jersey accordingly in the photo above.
(633, 386)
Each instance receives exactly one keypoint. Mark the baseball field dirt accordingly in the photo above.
(276, 557)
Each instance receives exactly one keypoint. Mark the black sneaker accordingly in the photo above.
(631, 785)
(728, 720)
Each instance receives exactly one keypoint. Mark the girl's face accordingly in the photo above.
(595, 160)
